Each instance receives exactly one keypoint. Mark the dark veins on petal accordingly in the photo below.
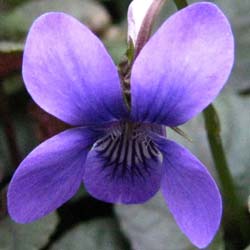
(129, 150)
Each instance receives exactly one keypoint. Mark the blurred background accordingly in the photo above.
(84, 223)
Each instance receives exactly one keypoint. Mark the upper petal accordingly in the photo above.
(183, 66)
(69, 73)
(49, 175)
(191, 194)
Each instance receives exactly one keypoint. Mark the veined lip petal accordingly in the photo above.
(124, 166)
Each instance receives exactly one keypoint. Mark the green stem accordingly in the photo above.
(212, 125)
(236, 223)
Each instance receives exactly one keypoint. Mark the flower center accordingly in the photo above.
(128, 146)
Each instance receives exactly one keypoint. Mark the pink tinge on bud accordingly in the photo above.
(137, 10)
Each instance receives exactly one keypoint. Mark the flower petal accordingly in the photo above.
(120, 169)
(183, 66)
(49, 175)
(191, 194)
(69, 73)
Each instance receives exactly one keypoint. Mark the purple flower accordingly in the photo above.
(118, 154)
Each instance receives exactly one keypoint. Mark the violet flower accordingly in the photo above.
(118, 154)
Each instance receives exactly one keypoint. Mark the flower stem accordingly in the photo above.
(212, 125)
(236, 222)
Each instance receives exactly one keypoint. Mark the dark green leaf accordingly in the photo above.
(248, 248)
(26, 237)
(99, 234)
(151, 227)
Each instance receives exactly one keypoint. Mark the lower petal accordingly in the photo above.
(191, 194)
(123, 167)
(49, 175)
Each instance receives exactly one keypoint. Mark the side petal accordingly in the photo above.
(183, 66)
(49, 175)
(191, 194)
(120, 169)
(69, 73)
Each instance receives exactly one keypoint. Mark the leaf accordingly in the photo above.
(248, 203)
(218, 243)
(7, 47)
(26, 140)
(16, 23)
(81, 193)
(11, 3)
(238, 15)
(46, 125)
(13, 84)
(116, 49)
(26, 237)
(115, 42)
(233, 112)
(3, 202)
(248, 248)
(150, 226)
(98, 234)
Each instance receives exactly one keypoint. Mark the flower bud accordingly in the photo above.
(136, 12)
